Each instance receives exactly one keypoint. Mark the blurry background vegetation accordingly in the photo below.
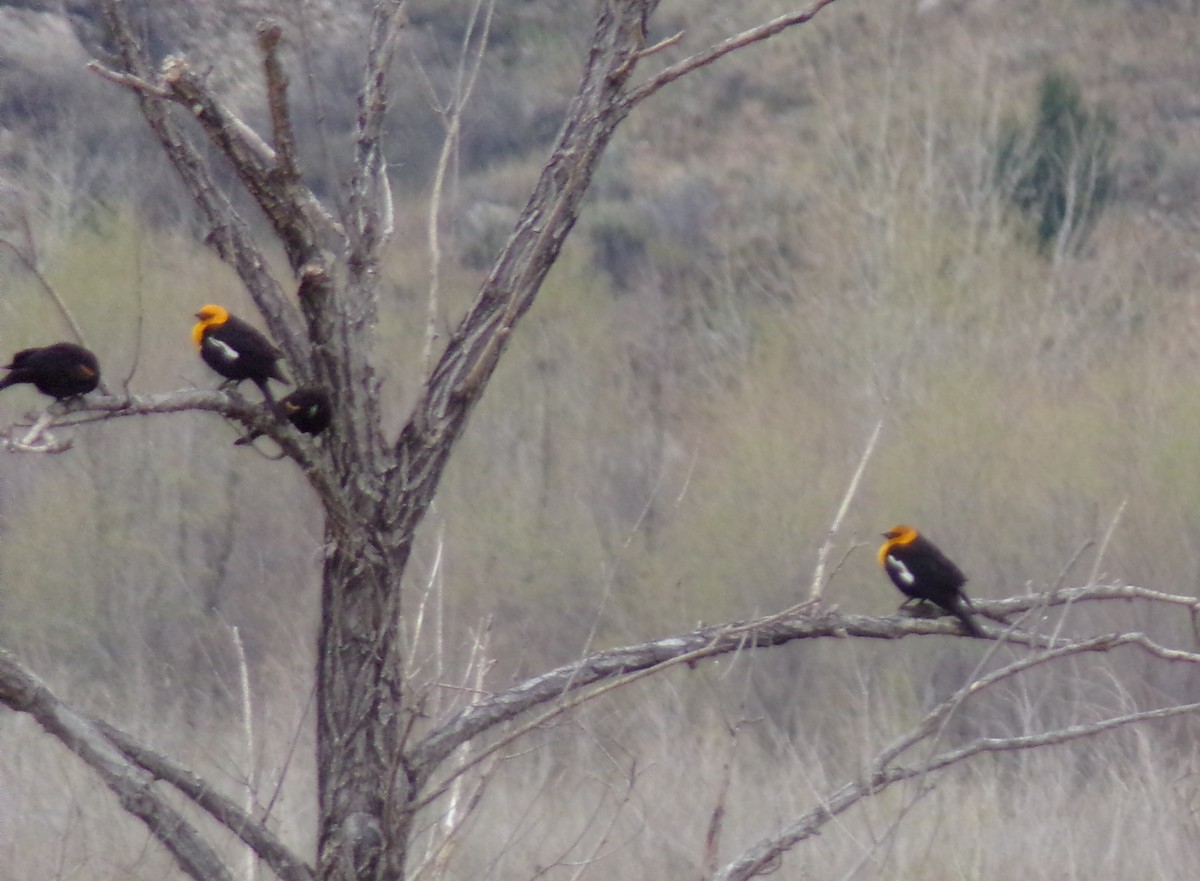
(976, 221)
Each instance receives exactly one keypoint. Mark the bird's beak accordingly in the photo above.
(198, 315)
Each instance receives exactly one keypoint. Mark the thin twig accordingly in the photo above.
(29, 264)
(129, 81)
(460, 807)
(463, 87)
(289, 755)
(765, 855)
(716, 820)
(818, 580)
(437, 790)
(251, 781)
(1079, 552)
(1096, 564)
(708, 56)
(1104, 542)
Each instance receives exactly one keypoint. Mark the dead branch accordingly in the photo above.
(818, 579)
(29, 264)
(22, 691)
(37, 439)
(270, 176)
(452, 112)
(708, 56)
(1065, 596)
(461, 374)
(229, 235)
(614, 682)
(270, 34)
(765, 856)
(370, 194)
(251, 832)
(629, 662)
(306, 453)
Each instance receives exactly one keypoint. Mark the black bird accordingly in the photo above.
(923, 572)
(236, 350)
(61, 370)
(308, 408)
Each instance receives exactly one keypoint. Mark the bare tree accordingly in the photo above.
(379, 760)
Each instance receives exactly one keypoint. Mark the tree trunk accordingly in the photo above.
(375, 490)
(362, 786)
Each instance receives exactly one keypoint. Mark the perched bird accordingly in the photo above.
(61, 370)
(308, 408)
(236, 350)
(923, 572)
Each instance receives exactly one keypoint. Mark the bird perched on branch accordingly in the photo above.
(236, 350)
(308, 408)
(923, 572)
(61, 370)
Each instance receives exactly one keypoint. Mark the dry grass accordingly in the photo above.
(628, 785)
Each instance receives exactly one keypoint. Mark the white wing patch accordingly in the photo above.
(901, 570)
(225, 351)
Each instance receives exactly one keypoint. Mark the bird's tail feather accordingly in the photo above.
(961, 610)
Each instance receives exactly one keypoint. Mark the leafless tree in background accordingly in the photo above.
(380, 760)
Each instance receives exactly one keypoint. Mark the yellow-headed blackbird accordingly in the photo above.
(308, 408)
(236, 350)
(62, 370)
(923, 572)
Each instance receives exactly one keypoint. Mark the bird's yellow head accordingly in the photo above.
(897, 537)
(210, 316)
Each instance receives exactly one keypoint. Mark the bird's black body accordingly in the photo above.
(922, 572)
(236, 350)
(308, 409)
(61, 370)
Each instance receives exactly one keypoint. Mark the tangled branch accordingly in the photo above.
(765, 856)
(809, 622)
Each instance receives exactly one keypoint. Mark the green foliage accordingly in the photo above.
(1058, 170)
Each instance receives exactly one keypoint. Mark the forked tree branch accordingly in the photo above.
(282, 861)
(458, 379)
(96, 743)
(765, 856)
(268, 174)
(773, 630)
(708, 56)
(270, 34)
(22, 691)
(370, 194)
(294, 212)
